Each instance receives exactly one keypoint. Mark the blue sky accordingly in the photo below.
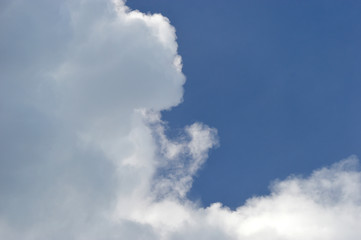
(280, 80)
(191, 120)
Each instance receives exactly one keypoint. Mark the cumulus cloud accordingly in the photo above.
(83, 148)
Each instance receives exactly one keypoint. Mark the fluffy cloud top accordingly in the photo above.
(83, 149)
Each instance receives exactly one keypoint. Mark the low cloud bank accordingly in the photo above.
(83, 149)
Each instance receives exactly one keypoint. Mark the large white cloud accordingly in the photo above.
(83, 149)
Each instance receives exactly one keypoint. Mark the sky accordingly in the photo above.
(180, 120)
(280, 80)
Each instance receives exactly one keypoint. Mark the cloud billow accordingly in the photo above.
(83, 149)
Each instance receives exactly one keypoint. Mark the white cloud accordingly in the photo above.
(83, 149)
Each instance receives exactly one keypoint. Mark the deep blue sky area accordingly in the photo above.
(280, 80)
